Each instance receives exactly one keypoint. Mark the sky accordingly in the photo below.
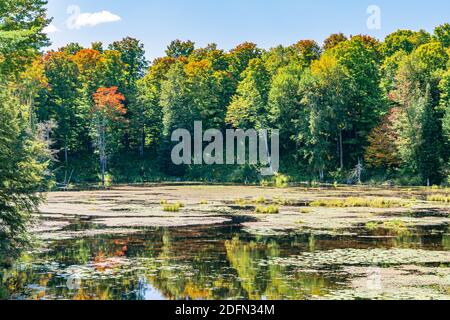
(228, 23)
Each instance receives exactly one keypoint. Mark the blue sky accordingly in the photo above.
(230, 22)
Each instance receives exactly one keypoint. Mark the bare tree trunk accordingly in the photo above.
(141, 147)
(66, 152)
(102, 148)
(341, 150)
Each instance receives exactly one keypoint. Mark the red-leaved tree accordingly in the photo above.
(107, 110)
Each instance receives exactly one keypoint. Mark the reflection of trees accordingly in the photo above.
(178, 264)
(446, 240)
(192, 271)
(263, 280)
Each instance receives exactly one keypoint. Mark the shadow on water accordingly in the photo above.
(214, 262)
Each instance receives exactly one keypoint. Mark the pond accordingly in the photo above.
(226, 262)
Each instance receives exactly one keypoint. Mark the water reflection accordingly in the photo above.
(193, 263)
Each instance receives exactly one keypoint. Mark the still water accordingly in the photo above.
(214, 262)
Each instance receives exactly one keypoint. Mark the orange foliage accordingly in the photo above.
(109, 102)
(246, 46)
(87, 59)
(192, 68)
(382, 151)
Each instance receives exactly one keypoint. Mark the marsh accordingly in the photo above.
(121, 244)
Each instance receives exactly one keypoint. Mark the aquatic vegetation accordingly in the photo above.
(305, 211)
(282, 202)
(360, 202)
(398, 227)
(363, 257)
(372, 226)
(180, 204)
(172, 207)
(267, 210)
(204, 202)
(281, 181)
(162, 202)
(439, 198)
(241, 202)
(260, 200)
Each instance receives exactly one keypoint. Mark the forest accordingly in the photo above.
(107, 113)
(352, 101)
(87, 179)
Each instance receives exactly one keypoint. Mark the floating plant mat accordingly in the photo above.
(407, 282)
(358, 257)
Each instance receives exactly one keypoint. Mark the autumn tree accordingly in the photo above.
(108, 109)
(240, 57)
(309, 50)
(61, 105)
(21, 33)
(333, 40)
(132, 55)
(382, 152)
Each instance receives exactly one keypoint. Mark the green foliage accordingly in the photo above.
(442, 34)
(23, 162)
(352, 99)
(248, 108)
(178, 49)
(21, 36)
(404, 40)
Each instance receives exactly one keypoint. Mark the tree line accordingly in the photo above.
(105, 113)
(352, 101)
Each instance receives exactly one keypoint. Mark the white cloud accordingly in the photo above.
(50, 29)
(78, 20)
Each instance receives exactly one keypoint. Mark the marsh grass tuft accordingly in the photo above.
(260, 200)
(305, 211)
(267, 210)
(360, 202)
(397, 227)
(280, 201)
(439, 198)
(204, 202)
(241, 202)
(167, 207)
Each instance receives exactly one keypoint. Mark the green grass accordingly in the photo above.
(305, 211)
(267, 210)
(360, 202)
(204, 202)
